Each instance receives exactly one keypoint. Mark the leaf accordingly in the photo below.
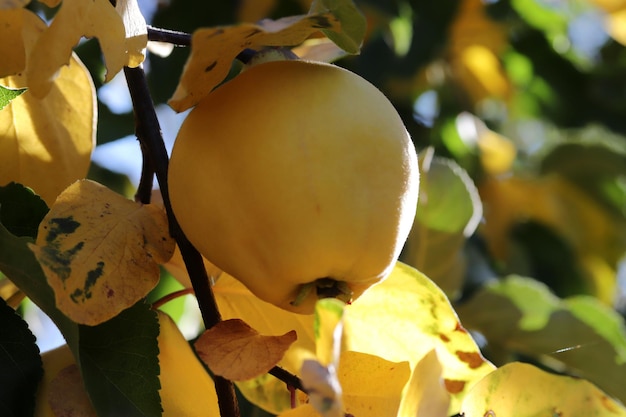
(236, 351)
(591, 162)
(372, 386)
(419, 319)
(21, 210)
(423, 316)
(186, 387)
(425, 395)
(12, 45)
(236, 301)
(20, 364)
(119, 349)
(76, 19)
(67, 395)
(443, 222)
(100, 251)
(522, 390)
(119, 363)
(46, 143)
(353, 23)
(577, 335)
(9, 94)
(19, 264)
(214, 49)
(319, 376)
(474, 44)
(569, 213)
(329, 340)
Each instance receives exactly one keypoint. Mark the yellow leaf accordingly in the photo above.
(136, 32)
(401, 319)
(474, 45)
(426, 396)
(371, 386)
(186, 388)
(522, 390)
(100, 251)
(214, 49)
(481, 73)
(306, 410)
(329, 330)
(46, 143)
(10, 293)
(12, 45)
(417, 320)
(236, 351)
(78, 18)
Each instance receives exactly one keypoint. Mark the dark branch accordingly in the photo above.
(288, 378)
(149, 133)
(169, 36)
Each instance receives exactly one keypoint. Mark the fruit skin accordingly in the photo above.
(295, 171)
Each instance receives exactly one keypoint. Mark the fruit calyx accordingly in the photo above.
(325, 288)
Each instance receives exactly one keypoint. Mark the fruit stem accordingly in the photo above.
(148, 133)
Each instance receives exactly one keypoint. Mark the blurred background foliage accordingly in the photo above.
(518, 109)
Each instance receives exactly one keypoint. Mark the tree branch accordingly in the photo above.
(149, 134)
(169, 36)
(288, 378)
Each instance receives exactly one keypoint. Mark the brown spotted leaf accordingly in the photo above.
(236, 351)
(214, 49)
(100, 251)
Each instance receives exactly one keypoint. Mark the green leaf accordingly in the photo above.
(21, 210)
(448, 212)
(120, 366)
(592, 162)
(576, 335)
(353, 24)
(20, 365)
(118, 359)
(19, 264)
(458, 209)
(9, 94)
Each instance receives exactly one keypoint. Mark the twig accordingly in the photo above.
(171, 296)
(169, 36)
(149, 133)
(288, 378)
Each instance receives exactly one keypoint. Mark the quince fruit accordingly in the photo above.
(297, 178)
